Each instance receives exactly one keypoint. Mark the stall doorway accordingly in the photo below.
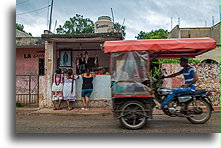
(41, 67)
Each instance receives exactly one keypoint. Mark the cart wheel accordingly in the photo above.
(133, 115)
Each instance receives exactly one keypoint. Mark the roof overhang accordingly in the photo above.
(164, 48)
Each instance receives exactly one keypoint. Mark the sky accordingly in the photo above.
(32, 23)
(139, 15)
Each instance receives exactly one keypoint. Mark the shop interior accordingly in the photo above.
(79, 60)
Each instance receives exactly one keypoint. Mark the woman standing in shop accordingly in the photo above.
(69, 90)
(57, 88)
(87, 88)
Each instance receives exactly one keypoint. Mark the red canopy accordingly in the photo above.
(166, 48)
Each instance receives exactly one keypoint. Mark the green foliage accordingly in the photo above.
(156, 65)
(155, 71)
(119, 27)
(177, 61)
(154, 34)
(19, 104)
(79, 24)
(21, 28)
(76, 24)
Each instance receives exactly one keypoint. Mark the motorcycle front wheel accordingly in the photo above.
(199, 111)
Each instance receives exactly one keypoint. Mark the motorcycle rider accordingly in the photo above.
(190, 81)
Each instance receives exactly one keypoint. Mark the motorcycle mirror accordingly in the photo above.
(157, 77)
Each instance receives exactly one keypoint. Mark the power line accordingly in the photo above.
(22, 2)
(34, 10)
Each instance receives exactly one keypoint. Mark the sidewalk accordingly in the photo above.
(77, 111)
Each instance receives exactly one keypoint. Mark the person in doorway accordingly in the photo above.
(69, 90)
(86, 59)
(87, 88)
(96, 61)
(57, 87)
(190, 81)
(82, 63)
(77, 64)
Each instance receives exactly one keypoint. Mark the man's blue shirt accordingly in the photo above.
(188, 73)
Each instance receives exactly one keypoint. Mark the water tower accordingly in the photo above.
(104, 25)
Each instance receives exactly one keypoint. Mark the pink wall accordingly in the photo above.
(27, 60)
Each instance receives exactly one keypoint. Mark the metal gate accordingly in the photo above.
(27, 90)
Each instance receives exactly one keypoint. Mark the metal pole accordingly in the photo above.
(29, 90)
(212, 20)
(50, 15)
(171, 23)
(112, 15)
(179, 21)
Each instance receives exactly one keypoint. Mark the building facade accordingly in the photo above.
(212, 32)
(72, 45)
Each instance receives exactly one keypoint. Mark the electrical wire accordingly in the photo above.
(34, 10)
(22, 2)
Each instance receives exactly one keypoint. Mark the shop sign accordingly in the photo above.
(101, 26)
(26, 56)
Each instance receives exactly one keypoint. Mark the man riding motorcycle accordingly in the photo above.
(190, 81)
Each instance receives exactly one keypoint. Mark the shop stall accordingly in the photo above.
(78, 52)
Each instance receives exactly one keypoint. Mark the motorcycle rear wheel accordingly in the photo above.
(199, 111)
(133, 115)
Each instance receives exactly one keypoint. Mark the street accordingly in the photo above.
(106, 123)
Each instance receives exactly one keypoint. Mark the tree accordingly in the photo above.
(79, 24)
(156, 34)
(76, 24)
(21, 28)
(118, 27)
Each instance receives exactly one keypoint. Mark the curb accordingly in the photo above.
(77, 111)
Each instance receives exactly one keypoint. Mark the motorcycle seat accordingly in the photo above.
(200, 91)
(196, 92)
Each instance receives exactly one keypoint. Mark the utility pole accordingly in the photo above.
(179, 21)
(51, 15)
(55, 25)
(212, 20)
(48, 13)
(171, 23)
(112, 15)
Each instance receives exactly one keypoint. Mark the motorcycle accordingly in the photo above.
(195, 106)
(133, 95)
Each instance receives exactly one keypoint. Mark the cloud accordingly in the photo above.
(145, 15)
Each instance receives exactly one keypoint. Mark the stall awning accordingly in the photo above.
(164, 48)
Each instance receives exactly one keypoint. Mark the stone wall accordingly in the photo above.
(208, 75)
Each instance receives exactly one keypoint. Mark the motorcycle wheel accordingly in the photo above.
(133, 115)
(199, 111)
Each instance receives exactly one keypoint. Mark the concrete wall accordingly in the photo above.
(22, 34)
(29, 42)
(100, 97)
(212, 32)
(195, 32)
(208, 75)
